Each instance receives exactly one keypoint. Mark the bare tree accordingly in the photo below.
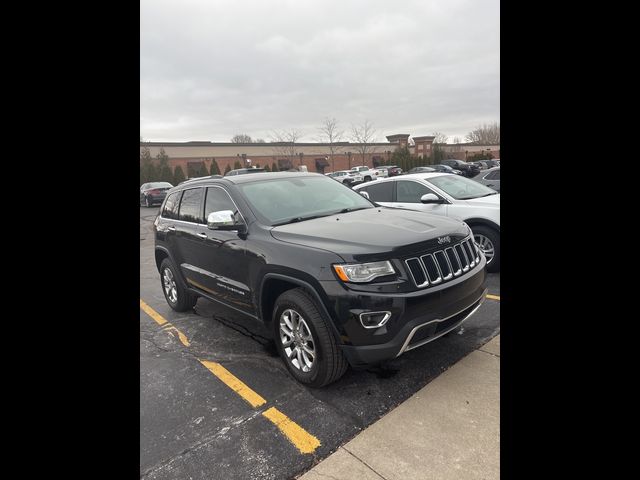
(259, 140)
(440, 138)
(456, 143)
(241, 138)
(285, 142)
(363, 135)
(331, 133)
(485, 134)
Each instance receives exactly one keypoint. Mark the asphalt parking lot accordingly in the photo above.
(217, 402)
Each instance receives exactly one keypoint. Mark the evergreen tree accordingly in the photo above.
(237, 165)
(213, 168)
(227, 169)
(145, 164)
(274, 167)
(178, 175)
(267, 168)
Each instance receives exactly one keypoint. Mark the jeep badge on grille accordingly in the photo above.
(442, 240)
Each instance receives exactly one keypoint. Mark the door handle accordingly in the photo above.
(202, 235)
(171, 229)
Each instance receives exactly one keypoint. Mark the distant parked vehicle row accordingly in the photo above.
(153, 193)
(366, 172)
(467, 169)
(347, 177)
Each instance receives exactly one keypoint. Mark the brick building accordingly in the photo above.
(316, 156)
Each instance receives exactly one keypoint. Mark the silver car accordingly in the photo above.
(490, 178)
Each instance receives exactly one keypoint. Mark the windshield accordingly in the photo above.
(287, 200)
(460, 188)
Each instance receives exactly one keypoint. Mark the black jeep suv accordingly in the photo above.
(335, 278)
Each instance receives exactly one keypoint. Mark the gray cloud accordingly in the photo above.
(211, 69)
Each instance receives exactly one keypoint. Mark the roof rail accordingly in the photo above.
(188, 180)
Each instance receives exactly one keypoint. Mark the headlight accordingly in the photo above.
(363, 272)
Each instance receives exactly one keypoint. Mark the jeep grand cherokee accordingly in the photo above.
(335, 278)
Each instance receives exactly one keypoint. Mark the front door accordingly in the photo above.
(408, 194)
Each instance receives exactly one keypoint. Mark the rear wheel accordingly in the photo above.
(488, 241)
(367, 178)
(176, 295)
(304, 340)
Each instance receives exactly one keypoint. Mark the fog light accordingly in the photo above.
(374, 319)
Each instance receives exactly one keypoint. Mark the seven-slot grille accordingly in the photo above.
(437, 267)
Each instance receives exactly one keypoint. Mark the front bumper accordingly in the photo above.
(417, 318)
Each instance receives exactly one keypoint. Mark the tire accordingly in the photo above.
(328, 363)
(176, 295)
(481, 234)
(367, 179)
(147, 202)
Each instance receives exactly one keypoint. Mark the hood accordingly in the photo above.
(374, 233)
(490, 201)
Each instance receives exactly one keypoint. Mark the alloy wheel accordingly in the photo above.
(297, 340)
(169, 283)
(486, 245)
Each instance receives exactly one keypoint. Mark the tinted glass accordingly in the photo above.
(380, 192)
(495, 175)
(217, 199)
(411, 192)
(191, 206)
(170, 209)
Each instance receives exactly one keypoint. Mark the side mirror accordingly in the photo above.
(430, 198)
(364, 194)
(222, 220)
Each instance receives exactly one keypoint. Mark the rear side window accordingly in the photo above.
(495, 175)
(170, 209)
(217, 199)
(381, 192)
(191, 206)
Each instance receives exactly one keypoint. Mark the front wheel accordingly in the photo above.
(304, 340)
(488, 241)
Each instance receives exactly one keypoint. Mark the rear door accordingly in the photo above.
(188, 229)
(166, 228)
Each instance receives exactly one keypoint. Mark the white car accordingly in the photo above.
(367, 174)
(449, 195)
(348, 177)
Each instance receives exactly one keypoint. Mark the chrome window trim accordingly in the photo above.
(405, 346)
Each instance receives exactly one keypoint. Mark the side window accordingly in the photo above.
(380, 192)
(170, 209)
(191, 206)
(218, 199)
(411, 192)
(495, 175)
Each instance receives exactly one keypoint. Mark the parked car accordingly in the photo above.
(153, 192)
(445, 169)
(448, 195)
(243, 171)
(366, 172)
(421, 170)
(334, 279)
(467, 169)
(494, 162)
(394, 170)
(348, 177)
(383, 172)
(490, 178)
(481, 164)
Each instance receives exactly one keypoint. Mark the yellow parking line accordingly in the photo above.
(493, 297)
(298, 436)
(234, 383)
(301, 439)
(152, 313)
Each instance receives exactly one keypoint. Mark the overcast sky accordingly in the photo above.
(212, 68)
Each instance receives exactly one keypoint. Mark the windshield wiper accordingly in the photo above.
(347, 210)
(298, 219)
